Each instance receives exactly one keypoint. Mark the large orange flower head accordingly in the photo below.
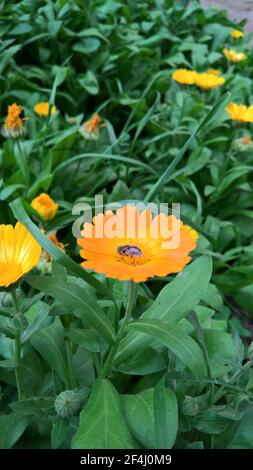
(19, 253)
(14, 123)
(45, 206)
(132, 245)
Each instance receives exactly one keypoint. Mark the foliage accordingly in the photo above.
(182, 374)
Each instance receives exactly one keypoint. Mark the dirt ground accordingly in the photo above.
(237, 10)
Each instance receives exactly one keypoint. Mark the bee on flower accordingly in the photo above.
(90, 129)
(42, 109)
(237, 34)
(14, 122)
(45, 206)
(143, 246)
(234, 56)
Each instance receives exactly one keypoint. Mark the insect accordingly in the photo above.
(128, 250)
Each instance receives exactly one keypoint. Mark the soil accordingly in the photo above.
(237, 10)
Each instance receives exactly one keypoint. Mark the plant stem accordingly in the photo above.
(23, 164)
(220, 392)
(17, 354)
(132, 295)
(71, 375)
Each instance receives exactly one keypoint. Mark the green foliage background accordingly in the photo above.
(182, 376)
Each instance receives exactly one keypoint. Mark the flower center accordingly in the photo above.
(130, 254)
(10, 272)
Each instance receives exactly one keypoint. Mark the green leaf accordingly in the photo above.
(33, 406)
(222, 351)
(166, 419)
(184, 293)
(89, 83)
(168, 173)
(139, 412)
(59, 432)
(57, 254)
(182, 345)
(12, 426)
(76, 299)
(102, 424)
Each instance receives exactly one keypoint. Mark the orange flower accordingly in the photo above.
(246, 140)
(19, 253)
(90, 129)
(42, 109)
(53, 238)
(13, 124)
(234, 56)
(184, 76)
(130, 245)
(45, 206)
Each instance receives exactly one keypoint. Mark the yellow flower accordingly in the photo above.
(45, 206)
(19, 253)
(42, 109)
(234, 56)
(240, 112)
(184, 76)
(90, 129)
(207, 81)
(236, 34)
(214, 72)
(13, 124)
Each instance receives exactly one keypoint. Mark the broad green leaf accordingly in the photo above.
(76, 299)
(181, 344)
(140, 416)
(102, 424)
(33, 406)
(173, 303)
(12, 425)
(222, 351)
(59, 432)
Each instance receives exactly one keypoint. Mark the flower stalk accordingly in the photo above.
(17, 353)
(132, 296)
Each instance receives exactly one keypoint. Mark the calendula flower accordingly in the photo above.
(131, 245)
(42, 109)
(45, 265)
(234, 56)
(19, 253)
(236, 34)
(208, 81)
(45, 206)
(184, 76)
(214, 72)
(240, 112)
(243, 144)
(90, 129)
(14, 124)
(246, 140)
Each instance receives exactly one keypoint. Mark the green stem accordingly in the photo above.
(234, 377)
(71, 375)
(132, 295)
(17, 354)
(24, 168)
